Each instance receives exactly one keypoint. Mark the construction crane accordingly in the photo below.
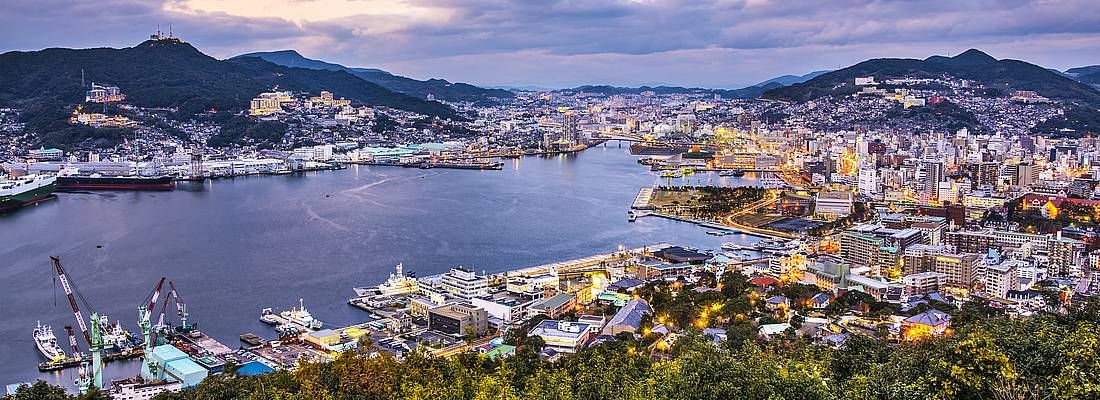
(93, 336)
(181, 309)
(72, 299)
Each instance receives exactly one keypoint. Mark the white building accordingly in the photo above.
(464, 283)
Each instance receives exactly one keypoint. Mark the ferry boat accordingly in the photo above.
(47, 343)
(671, 174)
(26, 190)
(301, 316)
(687, 171)
(736, 173)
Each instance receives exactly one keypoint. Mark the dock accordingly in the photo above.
(641, 201)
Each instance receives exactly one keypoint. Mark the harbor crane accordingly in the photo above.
(93, 336)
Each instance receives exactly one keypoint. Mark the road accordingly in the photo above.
(772, 197)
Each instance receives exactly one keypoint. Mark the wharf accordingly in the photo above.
(641, 201)
(208, 344)
(70, 362)
(707, 224)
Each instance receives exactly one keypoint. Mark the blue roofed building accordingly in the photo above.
(175, 365)
(253, 368)
(628, 319)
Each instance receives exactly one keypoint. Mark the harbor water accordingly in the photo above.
(233, 247)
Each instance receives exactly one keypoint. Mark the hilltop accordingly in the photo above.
(439, 88)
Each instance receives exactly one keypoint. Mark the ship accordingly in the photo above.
(301, 316)
(658, 149)
(113, 182)
(397, 284)
(26, 190)
(47, 343)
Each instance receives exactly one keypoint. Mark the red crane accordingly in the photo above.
(72, 299)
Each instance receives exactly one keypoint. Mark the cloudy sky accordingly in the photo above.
(555, 43)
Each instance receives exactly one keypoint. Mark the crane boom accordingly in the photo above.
(156, 295)
(72, 299)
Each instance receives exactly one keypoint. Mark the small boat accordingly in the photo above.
(268, 317)
(47, 343)
(718, 233)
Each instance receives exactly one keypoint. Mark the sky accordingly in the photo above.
(563, 43)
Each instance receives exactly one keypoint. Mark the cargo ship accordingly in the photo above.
(26, 190)
(119, 182)
(658, 149)
(47, 343)
(463, 165)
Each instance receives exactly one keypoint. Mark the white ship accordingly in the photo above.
(301, 316)
(47, 343)
(398, 283)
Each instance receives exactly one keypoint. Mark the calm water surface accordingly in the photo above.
(233, 247)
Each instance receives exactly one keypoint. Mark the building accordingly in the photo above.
(555, 306)
(104, 94)
(464, 283)
(922, 283)
(459, 319)
(1000, 279)
(173, 364)
(44, 154)
(263, 106)
(928, 323)
(563, 336)
(958, 270)
(628, 319)
(833, 204)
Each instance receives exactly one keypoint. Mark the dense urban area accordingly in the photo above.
(927, 234)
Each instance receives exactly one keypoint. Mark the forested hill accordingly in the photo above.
(972, 65)
(172, 73)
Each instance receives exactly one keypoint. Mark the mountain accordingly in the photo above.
(1089, 74)
(1004, 75)
(439, 88)
(743, 93)
(787, 80)
(172, 73)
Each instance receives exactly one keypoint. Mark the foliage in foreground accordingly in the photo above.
(1045, 357)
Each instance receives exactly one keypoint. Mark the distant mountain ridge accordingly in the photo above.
(972, 65)
(747, 92)
(439, 88)
(787, 80)
(172, 73)
(1089, 74)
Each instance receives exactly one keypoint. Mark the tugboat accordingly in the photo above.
(47, 343)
